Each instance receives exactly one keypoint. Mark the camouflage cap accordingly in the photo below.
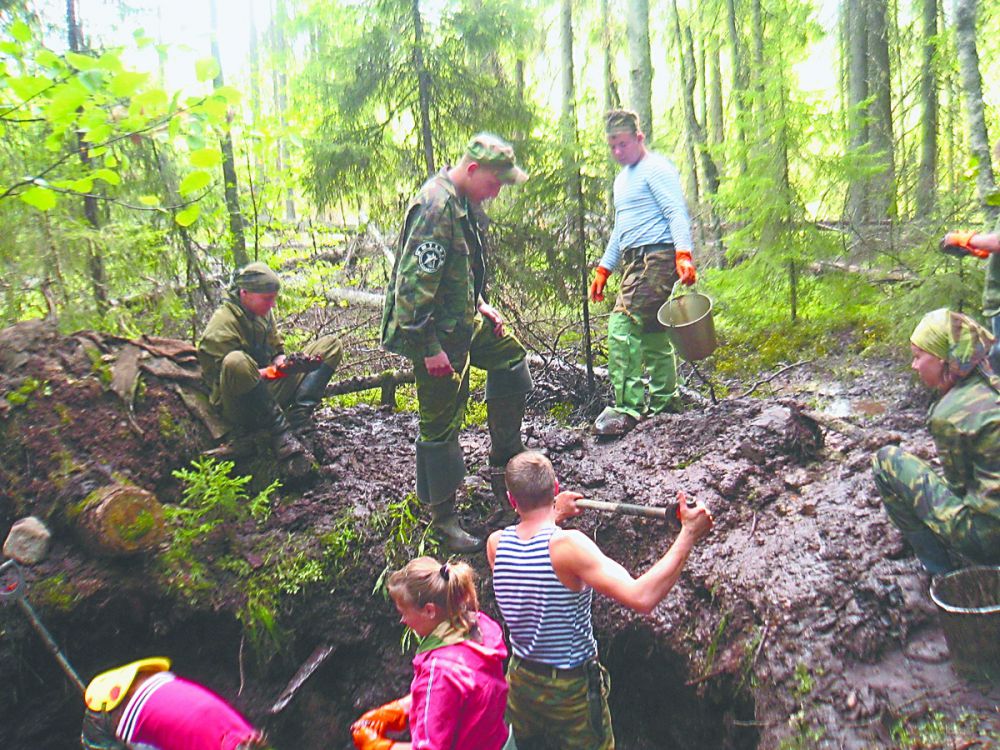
(257, 277)
(954, 338)
(497, 155)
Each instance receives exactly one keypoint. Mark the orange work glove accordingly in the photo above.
(598, 284)
(367, 738)
(685, 267)
(391, 716)
(957, 244)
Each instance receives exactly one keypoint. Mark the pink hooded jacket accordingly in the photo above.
(459, 694)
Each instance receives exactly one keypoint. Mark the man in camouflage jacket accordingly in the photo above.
(242, 357)
(960, 512)
(436, 315)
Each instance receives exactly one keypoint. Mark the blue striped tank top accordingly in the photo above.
(548, 623)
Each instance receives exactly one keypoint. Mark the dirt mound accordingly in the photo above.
(802, 620)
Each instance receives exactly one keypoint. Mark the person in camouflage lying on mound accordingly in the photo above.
(253, 384)
(959, 513)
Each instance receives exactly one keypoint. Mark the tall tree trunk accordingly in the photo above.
(95, 259)
(232, 191)
(927, 176)
(280, 79)
(716, 115)
(740, 82)
(882, 188)
(972, 88)
(640, 63)
(611, 99)
(574, 181)
(857, 94)
(423, 88)
(693, 134)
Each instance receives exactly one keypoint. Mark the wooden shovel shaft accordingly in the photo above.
(668, 513)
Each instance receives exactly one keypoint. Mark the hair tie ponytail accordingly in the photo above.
(445, 574)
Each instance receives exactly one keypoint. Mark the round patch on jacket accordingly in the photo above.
(430, 256)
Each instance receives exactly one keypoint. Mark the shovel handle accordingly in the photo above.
(627, 509)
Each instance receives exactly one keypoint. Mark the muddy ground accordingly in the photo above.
(803, 621)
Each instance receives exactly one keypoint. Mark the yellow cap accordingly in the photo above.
(107, 690)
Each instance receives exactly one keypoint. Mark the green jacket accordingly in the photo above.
(433, 295)
(233, 328)
(965, 425)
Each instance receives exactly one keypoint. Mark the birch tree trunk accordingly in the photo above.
(423, 89)
(232, 192)
(280, 79)
(927, 175)
(640, 64)
(972, 88)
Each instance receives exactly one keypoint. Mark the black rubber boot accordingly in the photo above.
(930, 550)
(293, 457)
(309, 395)
(440, 471)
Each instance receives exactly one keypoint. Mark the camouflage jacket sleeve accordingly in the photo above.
(424, 249)
(966, 430)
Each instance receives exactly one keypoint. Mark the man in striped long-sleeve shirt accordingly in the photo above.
(652, 238)
(544, 579)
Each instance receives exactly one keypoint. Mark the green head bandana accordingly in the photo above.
(954, 338)
(257, 277)
(497, 155)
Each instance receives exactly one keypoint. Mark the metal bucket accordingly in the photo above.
(688, 319)
(969, 603)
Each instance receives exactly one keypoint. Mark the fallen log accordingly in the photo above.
(118, 520)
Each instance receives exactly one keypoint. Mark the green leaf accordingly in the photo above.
(49, 59)
(93, 80)
(993, 199)
(109, 176)
(41, 198)
(188, 216)
(141, 38)
(206, 157)
(126, 83)
(11, 48)
(110, 62)
(83, 185)
(20, 31)
(110, 160)
(150, 103)
(149, 200)
(26, 87)
(206, 69)
(193, 183)
(65, 100)
(231, 95)
(215, 110)
(81, 62)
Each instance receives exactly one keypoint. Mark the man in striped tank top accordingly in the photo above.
(652, 238)
(544, 578)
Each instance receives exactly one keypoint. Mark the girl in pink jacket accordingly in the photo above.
(458, 694)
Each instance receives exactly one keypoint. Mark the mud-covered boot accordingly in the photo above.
(613, 423)
(455, 538)
(294, 459)
(440, 472)
(237, 445)
(308, 396)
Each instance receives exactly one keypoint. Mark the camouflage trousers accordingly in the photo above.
(637, 344)
(555, 713)
(240, 374)
(441, 401)
(916, 498)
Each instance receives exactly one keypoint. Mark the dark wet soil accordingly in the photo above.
(803, 621)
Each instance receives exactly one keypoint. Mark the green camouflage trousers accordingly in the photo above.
(916, 498)
(553, 712)
(240, 374)
(441, 401)
(637, 343)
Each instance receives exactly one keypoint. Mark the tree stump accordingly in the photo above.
(118, 520)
